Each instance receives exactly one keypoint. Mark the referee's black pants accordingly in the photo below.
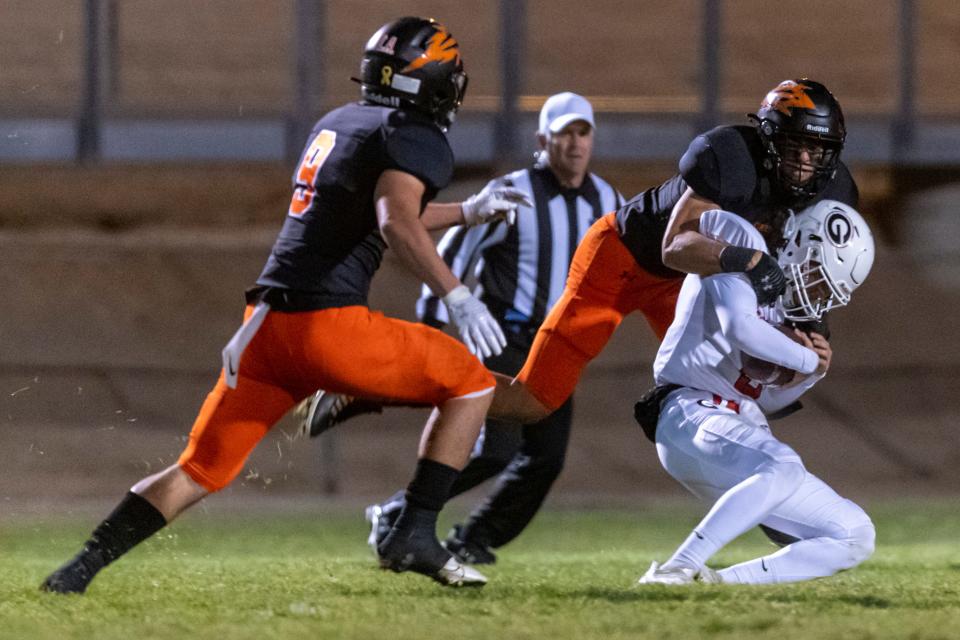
(527, 459)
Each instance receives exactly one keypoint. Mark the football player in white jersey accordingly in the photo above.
(712, 435)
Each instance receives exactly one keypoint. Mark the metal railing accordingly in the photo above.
(480, 137)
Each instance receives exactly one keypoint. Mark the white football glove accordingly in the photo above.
(494, 203)
(479, 331)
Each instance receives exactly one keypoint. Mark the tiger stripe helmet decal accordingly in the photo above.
(786, 96)
(796, 115)
(441, 48)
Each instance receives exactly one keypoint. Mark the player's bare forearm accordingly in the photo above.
(397, 198)
(684, 247)
(692, 252)
(415, 249)
(442, 215)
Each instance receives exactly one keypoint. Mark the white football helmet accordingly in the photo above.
(828, 254)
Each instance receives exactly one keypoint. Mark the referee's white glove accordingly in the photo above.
(494, 203)
(479, 331)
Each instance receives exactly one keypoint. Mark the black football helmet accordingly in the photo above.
(414, 63)
(802, 130)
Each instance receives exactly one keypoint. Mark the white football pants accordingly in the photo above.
(752, 478)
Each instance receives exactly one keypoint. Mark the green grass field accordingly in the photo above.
(571, 575)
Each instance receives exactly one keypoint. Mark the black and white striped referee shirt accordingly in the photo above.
(521, 270)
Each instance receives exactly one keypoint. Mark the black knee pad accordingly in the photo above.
(778, 538)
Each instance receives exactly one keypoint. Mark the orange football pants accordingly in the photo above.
(604, 285)
(349, 350)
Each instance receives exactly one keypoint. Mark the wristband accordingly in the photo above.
(735, 259)
(457, 294)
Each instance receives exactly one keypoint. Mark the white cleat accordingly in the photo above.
(374, 516)
(657, 575)
(709, 576)
(455, 574)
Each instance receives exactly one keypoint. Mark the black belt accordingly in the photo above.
(292, 301)
(647, 410)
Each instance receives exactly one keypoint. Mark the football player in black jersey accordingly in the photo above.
(363, 183)
(634, 259)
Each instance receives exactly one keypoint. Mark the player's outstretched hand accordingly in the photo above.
(478, 329)
(494, 203)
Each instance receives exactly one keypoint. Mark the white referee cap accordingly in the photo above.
(563, 108)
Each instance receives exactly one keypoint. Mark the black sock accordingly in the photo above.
(133, 521)
(431, 485)
(414, 534)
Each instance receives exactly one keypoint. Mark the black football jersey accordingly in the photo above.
(724, 165)
(330, 244)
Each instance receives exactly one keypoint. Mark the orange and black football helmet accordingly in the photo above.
(414, 63)
(802, 130)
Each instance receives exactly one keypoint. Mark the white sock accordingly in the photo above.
(804, 560)
(694, 552)
(738, 510)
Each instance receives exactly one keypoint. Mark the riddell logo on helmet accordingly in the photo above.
(440, 48)
(387, 101)
(788, 95)
(818, 128)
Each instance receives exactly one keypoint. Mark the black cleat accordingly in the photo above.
(468, 551)
(324, 410)
(422, 553)
(74, 576)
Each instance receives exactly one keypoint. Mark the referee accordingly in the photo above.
(520, 270)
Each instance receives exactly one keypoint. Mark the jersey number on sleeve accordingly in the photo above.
(313, 159)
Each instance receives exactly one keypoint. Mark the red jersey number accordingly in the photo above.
(313, 159)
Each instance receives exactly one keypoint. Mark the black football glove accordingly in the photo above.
(766, 276)
(812, 326)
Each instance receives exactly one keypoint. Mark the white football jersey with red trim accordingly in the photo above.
(717, 319)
